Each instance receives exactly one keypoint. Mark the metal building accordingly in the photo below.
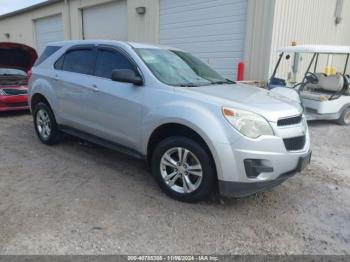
(221, 32)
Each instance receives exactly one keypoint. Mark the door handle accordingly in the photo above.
(56, 77)
(94, 89)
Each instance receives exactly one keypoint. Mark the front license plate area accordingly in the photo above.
(304, 162)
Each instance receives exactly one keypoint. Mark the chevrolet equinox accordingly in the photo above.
(197, 130)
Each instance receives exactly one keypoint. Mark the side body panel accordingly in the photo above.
(116, 110)
(128, 115)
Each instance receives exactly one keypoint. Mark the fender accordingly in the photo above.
(205, 121)
(43, 87)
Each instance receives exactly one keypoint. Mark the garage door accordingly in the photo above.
(48, 30)
(109, 21)
(214, 30)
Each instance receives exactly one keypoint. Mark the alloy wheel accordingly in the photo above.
(181, 170)
(43, 123)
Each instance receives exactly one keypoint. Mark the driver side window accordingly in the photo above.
(107, 61)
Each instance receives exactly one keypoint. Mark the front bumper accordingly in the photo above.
(271, 161)
(236, 189)
(13, 103)
(240, 190)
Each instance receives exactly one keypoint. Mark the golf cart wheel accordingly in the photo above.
(345, 117)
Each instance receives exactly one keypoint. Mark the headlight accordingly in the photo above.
(2, 92)
(248, 124)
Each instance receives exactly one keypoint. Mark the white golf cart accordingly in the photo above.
(323, 96)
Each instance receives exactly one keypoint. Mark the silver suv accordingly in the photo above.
(197, 130)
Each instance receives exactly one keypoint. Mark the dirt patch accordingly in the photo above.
(77, 198)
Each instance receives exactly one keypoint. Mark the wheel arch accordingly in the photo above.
(37, 98)
(175, 129)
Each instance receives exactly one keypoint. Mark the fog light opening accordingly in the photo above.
(255, 167)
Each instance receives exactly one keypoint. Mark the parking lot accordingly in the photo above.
(78, 198)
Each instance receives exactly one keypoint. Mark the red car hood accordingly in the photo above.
(17, 56)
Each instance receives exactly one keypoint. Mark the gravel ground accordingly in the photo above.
(78, 198)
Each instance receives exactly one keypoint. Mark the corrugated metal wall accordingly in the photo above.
(114, 14)
(47, 30)
(258, 39)
(214, 30)
(308, 22)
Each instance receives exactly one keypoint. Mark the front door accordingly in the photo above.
(116, 107)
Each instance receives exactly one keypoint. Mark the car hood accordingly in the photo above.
(17, 56)
(261, 101)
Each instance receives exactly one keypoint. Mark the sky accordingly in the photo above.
(7, 6)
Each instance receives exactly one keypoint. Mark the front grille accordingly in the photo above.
(289, 121)
(14, 92)
(17, 104)
(295, 143)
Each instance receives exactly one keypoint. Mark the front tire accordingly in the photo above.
(45, 124)
(183, 169)
(344, 119)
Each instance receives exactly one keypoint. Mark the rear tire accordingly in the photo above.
(45, 124)
(345, 117)
(183, 169)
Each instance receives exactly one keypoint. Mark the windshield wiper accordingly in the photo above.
(189, 85)
(222, 82)
(12, 75)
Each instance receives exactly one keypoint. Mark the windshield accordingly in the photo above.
(11, 72)
(178, 68)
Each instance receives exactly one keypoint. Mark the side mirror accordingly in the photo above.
(126, 76)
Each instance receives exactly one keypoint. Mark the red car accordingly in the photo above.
(16, 60)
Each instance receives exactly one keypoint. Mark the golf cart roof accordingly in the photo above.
(321, 49)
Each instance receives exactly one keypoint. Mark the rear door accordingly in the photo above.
(74, 85)
(115, 106)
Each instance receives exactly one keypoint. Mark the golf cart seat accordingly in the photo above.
(333, 83)
(318, 96)
(326, 87)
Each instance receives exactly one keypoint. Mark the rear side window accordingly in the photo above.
(78, 61)
(107, 61)
(59, 63)
(49, 51)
